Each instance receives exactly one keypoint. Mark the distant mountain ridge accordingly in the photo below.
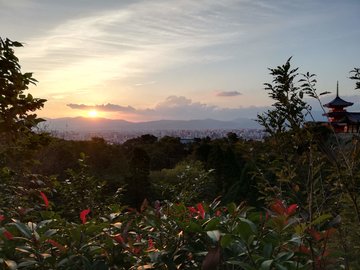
(103, 124)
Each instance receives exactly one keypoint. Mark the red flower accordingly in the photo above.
(201, 210)
(8, 235)
(2, 218)
(46, 201)
(56, 244)
(83, 215)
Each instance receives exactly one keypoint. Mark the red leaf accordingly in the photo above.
(2, 218)
(46, 201)
(83, 215)
(315, 234)
(150, 244)
(304, 249)
(278, 207)
(56, 244)
(291, 209)
(192, 210)
(201, 210)
(8, 235)
(118, 238)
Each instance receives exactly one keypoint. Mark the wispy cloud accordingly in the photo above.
(228, 94)
(145, 83)
(103, 107)
(140, 38)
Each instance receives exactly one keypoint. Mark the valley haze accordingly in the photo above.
(84, 124)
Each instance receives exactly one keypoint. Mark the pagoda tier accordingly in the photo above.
(337, 115)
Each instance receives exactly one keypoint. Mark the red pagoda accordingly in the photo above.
(340, 119)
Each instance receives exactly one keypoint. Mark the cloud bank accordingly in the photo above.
(176, 108)
(103, 108)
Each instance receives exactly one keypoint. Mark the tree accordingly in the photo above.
(15, 106)
(137, 183)
(356, 77)
(289, 107)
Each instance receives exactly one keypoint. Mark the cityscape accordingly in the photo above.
(185, 136)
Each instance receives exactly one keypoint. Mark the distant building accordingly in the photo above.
(339, 118)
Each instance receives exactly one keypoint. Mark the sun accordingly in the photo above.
(93, 114)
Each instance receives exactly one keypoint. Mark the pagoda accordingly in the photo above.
(340, 119)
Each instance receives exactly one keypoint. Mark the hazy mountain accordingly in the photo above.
(103, 124)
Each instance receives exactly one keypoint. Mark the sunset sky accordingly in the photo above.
(184, 59)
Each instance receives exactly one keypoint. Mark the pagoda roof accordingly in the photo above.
(337, 101)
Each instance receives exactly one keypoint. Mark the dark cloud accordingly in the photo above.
(103, 107)
(228, 94)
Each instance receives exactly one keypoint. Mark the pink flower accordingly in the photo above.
(83, 215)
(8, 235)
(46, 201)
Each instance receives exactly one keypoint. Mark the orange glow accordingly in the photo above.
(93, 114)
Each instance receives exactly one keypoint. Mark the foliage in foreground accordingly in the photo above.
(167, 236)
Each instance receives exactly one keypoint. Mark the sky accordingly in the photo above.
(147, 60)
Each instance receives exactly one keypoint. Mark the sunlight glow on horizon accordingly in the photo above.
(93, 114)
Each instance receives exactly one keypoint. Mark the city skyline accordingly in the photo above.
(149, 60)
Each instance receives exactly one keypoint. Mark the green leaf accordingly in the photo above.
(50, 232)
(267, 251)
(280, 267)
(16, 44)
(245, 266)
(231, 207)
(266, 265)
(226, 240)
(321, 219)
(284, 256)
(23, 229)
(27, 263)
(194, 227)
(212, 224)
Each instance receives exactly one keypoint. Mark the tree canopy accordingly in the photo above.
(16, 106)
